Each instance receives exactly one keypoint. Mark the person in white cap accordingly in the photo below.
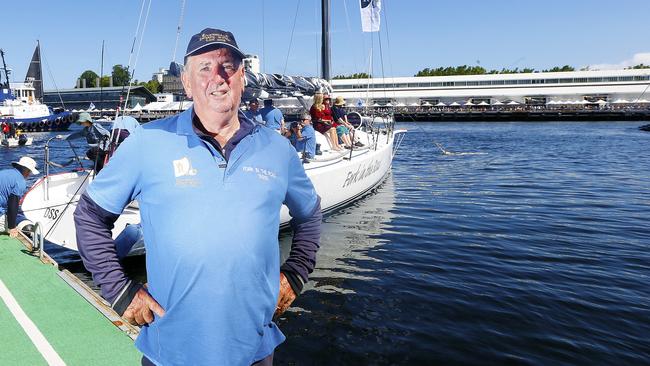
(13, 185)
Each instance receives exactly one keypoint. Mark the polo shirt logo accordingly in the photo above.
(262, 174)
(183, 168)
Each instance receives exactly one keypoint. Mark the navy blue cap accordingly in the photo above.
(211, 39)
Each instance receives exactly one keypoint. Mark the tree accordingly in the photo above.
(564, 68)
(152, 85)
(121, 76)
(361, 75)
(90, 77)
(639, 66)
(105, 81)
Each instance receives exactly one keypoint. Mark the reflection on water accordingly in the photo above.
(338, 309)
(510, 243)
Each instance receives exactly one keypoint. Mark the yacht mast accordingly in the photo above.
(325, 40)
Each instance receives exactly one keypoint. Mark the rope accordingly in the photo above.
(135, 37)
(295, 18)
(390, 60)
(49, 71)
(137, 56)
(263, 38)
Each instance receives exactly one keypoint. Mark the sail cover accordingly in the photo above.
(370, 15)
(34, 73)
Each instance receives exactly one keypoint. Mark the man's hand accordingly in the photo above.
(139, 311)
(286, 296)
(13, 232)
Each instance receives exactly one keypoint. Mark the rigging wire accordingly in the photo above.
(347, 21)
(390, 60)
(178, 29)
(295, 18)
(381, 60)
(135, 37)
(263, 39)
(49, 71)
(135, 63)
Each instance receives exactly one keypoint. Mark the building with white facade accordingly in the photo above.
(530, 89)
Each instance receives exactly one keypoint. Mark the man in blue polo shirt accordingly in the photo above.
(210, 184)
(303, 136)
(272, 116)
(253, 113)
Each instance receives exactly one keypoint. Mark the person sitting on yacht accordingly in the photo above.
(322, 118)
(343, 128)
(303, 137)
(96, 136)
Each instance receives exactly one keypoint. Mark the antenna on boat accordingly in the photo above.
(4, 67)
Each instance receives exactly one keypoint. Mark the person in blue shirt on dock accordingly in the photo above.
(96, 136)
(253, 113)
(12, 187)
(273, 117)
(210, 184)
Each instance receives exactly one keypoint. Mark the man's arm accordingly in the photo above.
(12, 213)
(304, 245)
(77, 135)
(97, 249)
(304, 208)
(294, 273)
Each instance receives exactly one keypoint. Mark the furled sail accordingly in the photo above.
(35, 73)
(259, 85)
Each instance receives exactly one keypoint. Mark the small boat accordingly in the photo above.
(20, 104)
(21, 140)
(645, 128)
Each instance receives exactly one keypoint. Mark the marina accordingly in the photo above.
(520, 244)
(494, 214)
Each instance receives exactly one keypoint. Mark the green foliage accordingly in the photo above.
(121, 76)
(448, 71)
(90, 77)
(105, 81)
(639, 66)
(478, 70)
(361, 75)
(152, 85)
(561, 69)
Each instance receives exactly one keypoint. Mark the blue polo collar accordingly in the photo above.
(186, 127)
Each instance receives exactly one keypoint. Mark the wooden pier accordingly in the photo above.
(47, 316)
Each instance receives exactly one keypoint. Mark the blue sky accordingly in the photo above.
(415, 34)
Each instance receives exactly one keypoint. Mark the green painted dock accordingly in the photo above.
(44, 320)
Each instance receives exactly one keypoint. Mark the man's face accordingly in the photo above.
(215, 81)
(253, 106)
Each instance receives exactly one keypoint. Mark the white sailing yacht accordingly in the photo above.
(339, 177)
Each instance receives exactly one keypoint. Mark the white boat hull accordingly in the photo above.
(337, 178)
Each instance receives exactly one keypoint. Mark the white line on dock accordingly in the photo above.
(30, 328)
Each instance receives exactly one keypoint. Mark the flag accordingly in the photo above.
(370, 15)
(91, 106)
